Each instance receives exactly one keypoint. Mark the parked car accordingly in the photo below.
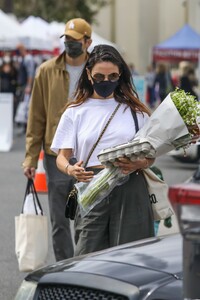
(149, 269)
(190, 155)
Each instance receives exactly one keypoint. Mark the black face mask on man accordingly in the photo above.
(73, 48)
(105, 88)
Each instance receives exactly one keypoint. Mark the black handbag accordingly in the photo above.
(72, 203)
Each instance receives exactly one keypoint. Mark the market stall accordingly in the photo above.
(184, 45)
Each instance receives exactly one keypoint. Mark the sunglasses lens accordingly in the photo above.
(98, 77)
(113, 77)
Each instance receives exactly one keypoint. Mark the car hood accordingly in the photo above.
(144, 259)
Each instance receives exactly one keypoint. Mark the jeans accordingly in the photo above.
(59, 185)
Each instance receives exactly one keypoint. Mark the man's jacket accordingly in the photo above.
(49, 97)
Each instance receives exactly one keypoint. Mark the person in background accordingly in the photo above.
(8, 78)
(26, 73)
(188, 81)
(54, 85)
(150, 77)
(133, 70)
(105, 86)
(162, 83)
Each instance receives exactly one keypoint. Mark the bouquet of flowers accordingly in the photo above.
(174, 124)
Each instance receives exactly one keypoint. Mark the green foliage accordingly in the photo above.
(187, 106)
(59, 10)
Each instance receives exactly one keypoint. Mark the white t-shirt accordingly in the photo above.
(80, 127)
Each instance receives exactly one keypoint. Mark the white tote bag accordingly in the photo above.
(158, 194)
(22, 110)
(31, 233)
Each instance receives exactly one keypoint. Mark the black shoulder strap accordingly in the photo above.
(135, 120)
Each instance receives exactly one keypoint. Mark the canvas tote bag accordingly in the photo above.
(22, 110)
(31, 232)
(158, 194)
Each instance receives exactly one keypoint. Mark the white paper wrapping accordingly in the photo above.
(165, 130)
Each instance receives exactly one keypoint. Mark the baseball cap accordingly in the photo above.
(77, 29)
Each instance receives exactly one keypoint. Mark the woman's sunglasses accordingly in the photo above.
(98, 77)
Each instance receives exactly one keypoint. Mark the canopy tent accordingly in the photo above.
(97, 39)
(13, 33)
(183, 45)
(9, 32)
(37, 35)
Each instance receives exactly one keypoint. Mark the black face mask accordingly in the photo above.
(73, 48)
(105, 88)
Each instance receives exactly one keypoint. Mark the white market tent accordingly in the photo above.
(9, 32)
(97, 40)
(13, 33)
(37, 34)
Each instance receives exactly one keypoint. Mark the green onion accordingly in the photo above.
(99, 187)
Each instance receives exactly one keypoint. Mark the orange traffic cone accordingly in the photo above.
(40, 176)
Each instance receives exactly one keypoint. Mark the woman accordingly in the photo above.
(125, 215)
(163, 82)
(188, 81)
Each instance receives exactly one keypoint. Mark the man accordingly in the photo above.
(54, 86)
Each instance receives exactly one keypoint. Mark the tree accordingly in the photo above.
(8, 6)
(59, 10)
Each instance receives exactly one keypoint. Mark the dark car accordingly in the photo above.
(146, 269)
(160, 268)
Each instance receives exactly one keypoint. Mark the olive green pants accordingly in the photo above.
(124, 216)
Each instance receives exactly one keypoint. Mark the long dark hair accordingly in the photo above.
(125, 91)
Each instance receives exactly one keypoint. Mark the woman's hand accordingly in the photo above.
(76, 170)
(79, 173)
(127, 166)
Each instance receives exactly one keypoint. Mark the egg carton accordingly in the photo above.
(133, 150)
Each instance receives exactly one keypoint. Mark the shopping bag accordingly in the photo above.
(158, 195)
(22, 110)
(31, 233)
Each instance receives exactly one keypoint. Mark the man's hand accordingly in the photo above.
(29, 172)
